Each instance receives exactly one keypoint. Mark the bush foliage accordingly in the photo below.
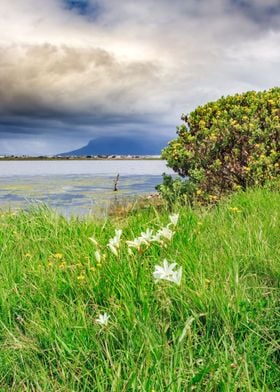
(227, 145)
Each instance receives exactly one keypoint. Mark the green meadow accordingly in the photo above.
(217, 330)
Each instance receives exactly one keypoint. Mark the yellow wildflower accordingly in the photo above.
(234, 209)
(213, 197)
(207, 282)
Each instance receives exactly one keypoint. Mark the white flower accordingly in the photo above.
(114, 243)
(136, 243)
(166, 233)
(174, 219)
(166, 272)
(147, 235)
(177, 276)
(113, 249)
(157, 237)
(97, 256)
(118, 233)
(103, 319)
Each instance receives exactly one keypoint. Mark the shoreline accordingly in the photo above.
(80, 159)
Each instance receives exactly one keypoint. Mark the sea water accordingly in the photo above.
(76, 186)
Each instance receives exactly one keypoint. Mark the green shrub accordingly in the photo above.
(227, 145)
(174, 189)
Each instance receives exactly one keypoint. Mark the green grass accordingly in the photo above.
(227, 302)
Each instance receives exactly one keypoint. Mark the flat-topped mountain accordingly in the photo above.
(120, 145)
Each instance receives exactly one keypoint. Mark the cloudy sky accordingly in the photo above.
(72, 70)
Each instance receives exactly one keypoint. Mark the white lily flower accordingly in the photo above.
(177, 276)
(166, 233)
(114, 243)
(113, 249)
(157, 238)
(174, 219)
(147, 235)
(166, 272)
(118, 233)
(136, 243)
(103, 319)
(97, 256)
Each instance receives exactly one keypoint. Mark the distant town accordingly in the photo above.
(77, 158)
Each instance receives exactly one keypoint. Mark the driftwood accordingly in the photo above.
(116, 182)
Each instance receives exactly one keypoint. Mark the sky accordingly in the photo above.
(74, 70)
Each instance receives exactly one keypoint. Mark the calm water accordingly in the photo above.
(75, 187)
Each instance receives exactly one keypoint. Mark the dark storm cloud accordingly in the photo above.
(264, 13)
(69, 86)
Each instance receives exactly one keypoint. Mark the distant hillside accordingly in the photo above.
(120, 145)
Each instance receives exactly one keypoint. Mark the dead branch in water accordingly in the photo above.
(116, 182)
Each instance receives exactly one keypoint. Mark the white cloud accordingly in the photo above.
(135, 62)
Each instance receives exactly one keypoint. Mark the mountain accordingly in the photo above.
(120, 145)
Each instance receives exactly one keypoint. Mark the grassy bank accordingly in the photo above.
(215, 331)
